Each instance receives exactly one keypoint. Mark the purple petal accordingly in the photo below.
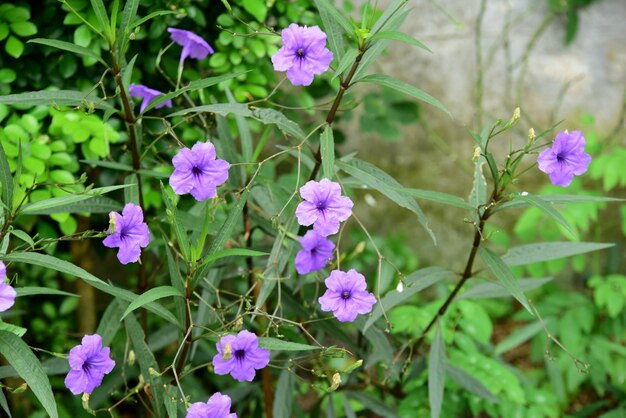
(307, 213)
(7, 296)
(3, 271)
(76, 381)
(129, 251)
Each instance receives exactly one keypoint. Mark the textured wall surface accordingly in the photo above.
(524, 62)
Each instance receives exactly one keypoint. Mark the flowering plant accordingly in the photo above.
(238, 288)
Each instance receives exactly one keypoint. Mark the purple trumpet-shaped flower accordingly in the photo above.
(193, 45)
(303, 54)
(347, 295)
(7, 293)
(316, 252)
(323, 206)
(196, 171)
(147, 94)
(89, 362)
(567, 158)
(128, 232)
(218, 406)
(240, 356)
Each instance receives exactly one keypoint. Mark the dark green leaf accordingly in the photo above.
(469, 383)
(28, 367)
(54, 97)
(346, 61)
(31, 291)
(332, 29)
(327, 7)
(548, 209)
(128, 15)
(271, 116)
(399, 36)
(533, 253)
(151, 295)
(223, 109)
(439, 197)
(233, 252)
(150, 16)
(436, 373)
(68, 46)
(6, 180)
(373, 404)
(402, 87)
(48, 205)
(274, 344)
(283, 399)
(497, 290)
(377, 179)
(504, 275)
(242, 126)
(517, 203)
(327, 148)
(103, 17)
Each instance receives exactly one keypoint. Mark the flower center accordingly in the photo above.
(321, 205)
(345, 295)
(300, 52)
(196, 171)
(560, 158)
(240, 354)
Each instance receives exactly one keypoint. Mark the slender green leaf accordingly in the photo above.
(128, 15)
(402, 87)
(28, 367)
(412, 284)
(399, 36)
(549, 210)
(147, 362)
(271, 116)
(174, 219)
(110, 322)
(341, 20)
(497, 290)
(436, 373)
(34, 290)
(243, 129)
(386, 18)
(55, 97)
(438, 197)
(6, 180)
(46, 206)
(151, 295)
(373, 404)
(478, 195)
(223, 235)
(518, 337)
(274, 344)
(4, 404)
(504, 275)
(23, 236)
(469, 383)
(223, 109)
(194, 85)
(103, 18)
(327, 148)
(13, 329)
(533, 253)
(517, 203)
(48, 261)
(346, 62)
(233, 252)
(377, 179)
(68, 46)
(91, 205)
(283, 398)
(151, 16)
(332, 29)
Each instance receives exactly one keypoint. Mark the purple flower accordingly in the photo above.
(196, 171)
(347, 295)
(323, 206)
(218, 406)
(240, 355)
(147, 94)
(89, 362)
(7, 293)
(128, 232)
(193, 45)
(565, 159)
(316, 252)
(303, 54)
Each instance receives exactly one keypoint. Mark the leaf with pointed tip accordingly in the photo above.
(504, 275)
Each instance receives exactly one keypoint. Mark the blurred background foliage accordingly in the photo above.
(496, 350)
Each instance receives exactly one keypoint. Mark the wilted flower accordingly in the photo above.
(147, 94)
(196, 171)
(303, 54)
(316, 252)
(128, 232)
(7, 293)
(240, 356)
(218, 406)
(193, 45)
(89, 362)
(565, 159)
(347, 295)
(323, 206)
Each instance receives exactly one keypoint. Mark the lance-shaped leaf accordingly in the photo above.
(68, 46)
(327, 150)
(55, 97)
(504, 275)
(436, 373)
(151, 295)
(544, 251)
